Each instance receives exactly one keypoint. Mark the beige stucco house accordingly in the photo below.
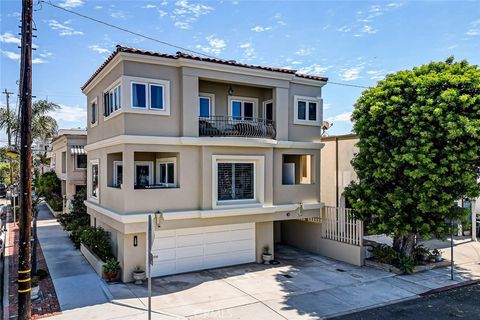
(69, 161)
(221, 153)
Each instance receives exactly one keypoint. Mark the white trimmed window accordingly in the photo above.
(150, 94)
(242, 108)
(167, 172)
(143, 174)
(94, 185)
(117, 174)
(238, 180)
(112, 100)
(206, 105)
(94, 112)
(81, 161)
(268, 110)
(307, 110)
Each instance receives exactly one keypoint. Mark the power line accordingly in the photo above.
(126, 30)
(348, 85)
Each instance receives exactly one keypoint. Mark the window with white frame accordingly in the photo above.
(81, 161)
(94, 112)
(206, 104)
(242, 108)
(167, 172)
(307, 110)
(143, 174)
(94, 178)
(268, 110)
(112, 100)
(235, 181)
(150, 94)
(117, 174)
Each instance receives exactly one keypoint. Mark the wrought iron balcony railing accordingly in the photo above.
(225, 126)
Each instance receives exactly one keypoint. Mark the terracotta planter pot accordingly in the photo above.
(110, 276)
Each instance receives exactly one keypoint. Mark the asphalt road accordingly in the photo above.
(461, 303)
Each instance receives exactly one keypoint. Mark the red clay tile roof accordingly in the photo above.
(181, 55)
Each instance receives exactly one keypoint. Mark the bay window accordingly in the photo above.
(143, 174)
(112, 100)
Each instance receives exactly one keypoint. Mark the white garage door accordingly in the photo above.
(190, 249)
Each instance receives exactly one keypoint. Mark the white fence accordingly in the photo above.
(339, 225)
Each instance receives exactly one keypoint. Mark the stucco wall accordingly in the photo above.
(297, 132)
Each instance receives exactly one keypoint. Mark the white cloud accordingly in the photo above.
(11, 55)
(349, 74)
(368, 29)
(64, 29)
(342, 117)
(215, 45)
(69, 4)
(45, 54)
(452, 47)
(117, 14)
(474, 29)
(98, 7)
(260, 29)
(69, 113)
(314, 69)
(182, 25)
(149, 6)
(344, 29)
(248, 50)
(98, 49)
(7, 37)
(278, 17)
(376, 74)
(38, 60)
(186, 13)
(304, 52)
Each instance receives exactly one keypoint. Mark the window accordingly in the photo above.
(139, 95)
(166, 172)
(235, 181)
(307, 110)
(64, 162)
(206, 105)
(297, 169)
(81, 161)
(94, 176)
(268, 110)
(156, 97)
(112, 100)
(143, 174)
(117, 174)
(242, 108)
(94, 112)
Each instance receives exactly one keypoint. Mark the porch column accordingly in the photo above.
(281, 103)
(189, 108)
(128, 174)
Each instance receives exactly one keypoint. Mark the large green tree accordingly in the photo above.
(419, 150)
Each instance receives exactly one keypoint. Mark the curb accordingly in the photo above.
(450, 287)
(6, 270)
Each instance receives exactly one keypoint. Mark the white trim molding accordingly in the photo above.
(166, 161)
(97, 113)
(90, 182)
(318, 110)
(211, 97)
(128, 82)
(242, 100)
(258, 176)
(150, 171)
(203, 141)
(116, 164)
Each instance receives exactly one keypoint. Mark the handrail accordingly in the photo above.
(228, 126)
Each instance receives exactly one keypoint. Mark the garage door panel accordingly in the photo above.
(215, 237)
(217, 248)
(191, 249)
(242, 234)
(189, 240)
(188, 252)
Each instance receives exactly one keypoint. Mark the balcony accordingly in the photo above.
(226, 126)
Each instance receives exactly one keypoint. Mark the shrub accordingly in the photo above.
(386, 254)
(111, 266)
(98, 240)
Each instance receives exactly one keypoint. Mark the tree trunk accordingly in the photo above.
(404, 244)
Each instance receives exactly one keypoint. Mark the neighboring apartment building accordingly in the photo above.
(41, 152)
(221, 153)
(69, 161)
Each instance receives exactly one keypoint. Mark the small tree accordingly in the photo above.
(419, 150)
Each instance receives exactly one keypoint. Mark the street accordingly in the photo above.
(458, 303)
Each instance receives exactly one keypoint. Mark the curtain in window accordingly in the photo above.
(235, 181)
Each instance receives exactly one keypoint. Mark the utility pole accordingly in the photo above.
(24, 256)
(7, 94)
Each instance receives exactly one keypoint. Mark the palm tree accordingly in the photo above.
(44, 126)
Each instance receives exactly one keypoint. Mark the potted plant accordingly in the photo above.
(111, 269)
(138, 275)
(421, 254)
(35, 293)
(438, 255)
(267, 257)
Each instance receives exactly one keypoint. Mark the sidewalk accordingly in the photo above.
(76, 283)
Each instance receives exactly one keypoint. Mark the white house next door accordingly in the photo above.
(191, 249)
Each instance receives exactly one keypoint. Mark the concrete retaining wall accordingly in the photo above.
(308, 236)
(95, 262)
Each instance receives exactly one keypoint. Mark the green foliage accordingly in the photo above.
(49, 186)
(405, 264)
(386, 254)
(111, 266)
(77, 220)
(419, 149)
(98, 240)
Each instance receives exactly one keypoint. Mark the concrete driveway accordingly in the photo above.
(302, 286)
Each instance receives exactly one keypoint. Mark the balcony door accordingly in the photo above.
(242, 108)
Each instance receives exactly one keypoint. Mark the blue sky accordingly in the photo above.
(354, 42)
